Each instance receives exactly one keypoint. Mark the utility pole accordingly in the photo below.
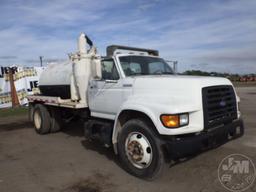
(14, 96)
(41, 61)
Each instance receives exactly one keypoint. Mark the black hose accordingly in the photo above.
(88, 40)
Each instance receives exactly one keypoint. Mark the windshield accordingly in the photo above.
(143, 65)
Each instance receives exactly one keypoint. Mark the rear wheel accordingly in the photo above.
(56, 121)
(140, 149)
(41, 119)
(30, 112)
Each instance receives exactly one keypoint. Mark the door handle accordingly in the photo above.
(93, 86)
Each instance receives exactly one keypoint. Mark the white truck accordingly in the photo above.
(132, 100)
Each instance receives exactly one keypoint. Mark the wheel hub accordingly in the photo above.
(138, 150)
(135, 150)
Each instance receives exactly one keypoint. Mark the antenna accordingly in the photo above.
(41, 61)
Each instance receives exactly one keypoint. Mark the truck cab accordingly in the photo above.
(142, 108)
(118, 76)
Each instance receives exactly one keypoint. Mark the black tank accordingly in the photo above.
(62, 91)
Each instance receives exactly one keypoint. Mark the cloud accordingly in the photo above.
(144, 6)
(8, 57)
(218, 33)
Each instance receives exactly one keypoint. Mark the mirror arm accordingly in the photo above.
(110, 81)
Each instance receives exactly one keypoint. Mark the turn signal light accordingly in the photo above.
(171, 121)
(175, 121)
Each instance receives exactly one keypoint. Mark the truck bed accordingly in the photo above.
(56, 101)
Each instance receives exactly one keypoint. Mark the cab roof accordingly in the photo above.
(120, 49)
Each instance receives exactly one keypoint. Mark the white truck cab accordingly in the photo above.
(132, 100)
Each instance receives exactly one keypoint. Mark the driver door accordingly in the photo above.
(105, 95)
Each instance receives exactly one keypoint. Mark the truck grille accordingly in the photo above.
(219, 105)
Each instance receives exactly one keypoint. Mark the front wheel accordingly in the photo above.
(140, 149)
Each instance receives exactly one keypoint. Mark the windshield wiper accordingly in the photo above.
(162, 73)
(167, 73)
(136, 74)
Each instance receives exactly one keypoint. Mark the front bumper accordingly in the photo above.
(190, 144)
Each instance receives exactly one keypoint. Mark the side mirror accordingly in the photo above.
(110, 81)
(96, 68)
(175, 67)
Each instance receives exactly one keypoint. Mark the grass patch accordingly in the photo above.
(13, 111)
(244, 84)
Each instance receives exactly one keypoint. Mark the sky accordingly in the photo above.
(209, 35)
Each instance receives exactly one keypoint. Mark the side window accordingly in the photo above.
(109, 71)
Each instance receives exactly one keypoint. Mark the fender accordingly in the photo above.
(151, 107)
(130, 106)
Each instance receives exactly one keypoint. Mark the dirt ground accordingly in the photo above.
(66, 162)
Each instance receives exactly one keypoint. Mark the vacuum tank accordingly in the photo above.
(55, 80)
(69, 80)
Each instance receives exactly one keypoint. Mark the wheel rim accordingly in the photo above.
(138, 150)
(37, 119)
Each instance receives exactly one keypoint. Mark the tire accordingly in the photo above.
(150, 164)
(30, 112)
(56, 121)
(41, 119)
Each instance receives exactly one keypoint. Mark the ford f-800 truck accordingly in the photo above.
(131, 99)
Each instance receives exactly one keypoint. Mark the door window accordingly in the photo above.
(109, 71)
(131, 68)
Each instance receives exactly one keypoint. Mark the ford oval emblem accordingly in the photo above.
(222, 103)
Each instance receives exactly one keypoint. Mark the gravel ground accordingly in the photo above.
(66, 162)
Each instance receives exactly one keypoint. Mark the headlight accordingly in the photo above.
(183, 119)
(175, 121)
